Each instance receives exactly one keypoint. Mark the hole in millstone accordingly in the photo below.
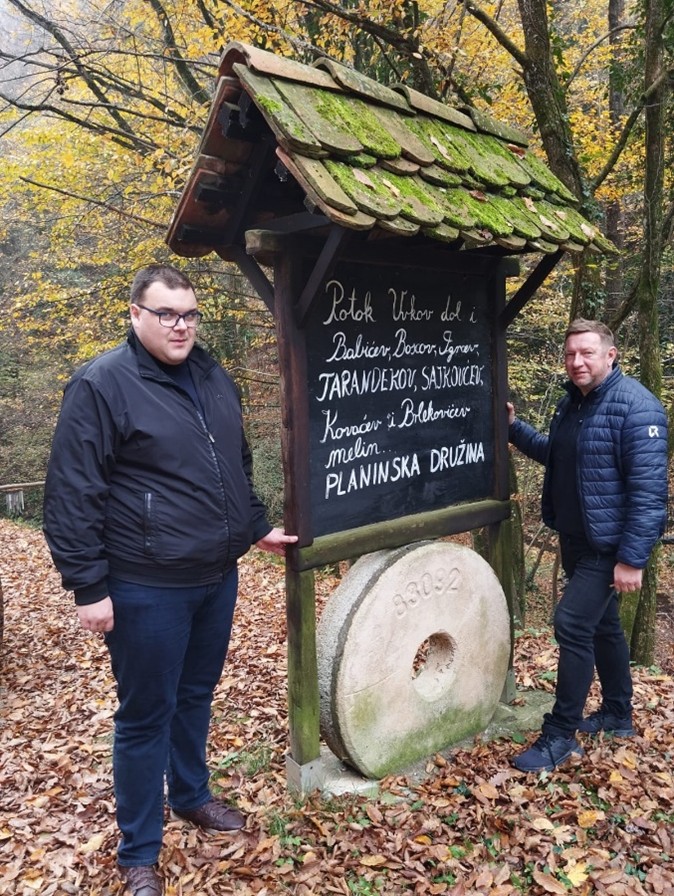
(432, 662)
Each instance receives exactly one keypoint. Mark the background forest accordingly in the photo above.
(101, 109)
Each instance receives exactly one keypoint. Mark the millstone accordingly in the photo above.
(413, 651)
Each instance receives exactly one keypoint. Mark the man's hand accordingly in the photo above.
(626, 578)
(510, 407)
(98, 617)
(276, 541)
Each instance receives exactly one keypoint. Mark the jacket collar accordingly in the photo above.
(148, 365)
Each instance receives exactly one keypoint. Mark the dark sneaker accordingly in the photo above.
(601, 720)
(213, 815)
(141, 880)
(547, 753)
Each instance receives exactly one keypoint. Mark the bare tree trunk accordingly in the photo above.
(547, 96)
(614, 284)
(548, 100)
(643, 635)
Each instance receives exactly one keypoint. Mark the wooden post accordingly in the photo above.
(303, 692)
(499, 538)
(15, 502)
(500, 535)
(302, 765)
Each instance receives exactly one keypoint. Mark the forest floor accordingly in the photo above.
(470, 824)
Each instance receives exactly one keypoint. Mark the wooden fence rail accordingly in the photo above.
(14, 498)
(20, 486)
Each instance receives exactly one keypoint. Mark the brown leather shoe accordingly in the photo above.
(141, 880)
(214, 815)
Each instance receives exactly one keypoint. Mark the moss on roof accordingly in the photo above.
(370, 157)
(356, 116)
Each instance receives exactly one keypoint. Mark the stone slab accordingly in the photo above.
(413, 651)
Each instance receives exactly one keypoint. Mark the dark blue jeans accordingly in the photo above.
(590, 635)
(167, 648)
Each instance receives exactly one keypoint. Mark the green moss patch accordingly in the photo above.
(418, 201)
(447, 155)
(355, 115)
(544, 178)
(523, 221)
(479, 212)
(365, 191)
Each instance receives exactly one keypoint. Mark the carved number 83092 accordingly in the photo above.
(435, 583)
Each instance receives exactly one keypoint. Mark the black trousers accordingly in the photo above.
(590, 636)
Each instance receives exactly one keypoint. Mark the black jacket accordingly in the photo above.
(139, 485)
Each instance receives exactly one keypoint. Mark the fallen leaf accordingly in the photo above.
(372, 861)
(590, 817)
(577, 874)
(362, 178)
(549, 883)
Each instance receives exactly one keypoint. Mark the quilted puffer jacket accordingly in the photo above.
(622, 466)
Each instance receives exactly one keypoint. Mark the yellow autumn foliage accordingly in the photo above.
(95, 175)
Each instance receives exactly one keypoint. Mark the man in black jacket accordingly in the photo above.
(605, 492)
(148, 505)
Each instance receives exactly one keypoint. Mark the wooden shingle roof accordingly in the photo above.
(285, 140)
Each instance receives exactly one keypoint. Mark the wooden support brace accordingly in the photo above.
(299, 223)
(326, 261)
(542, 270)
(252, 270)
(394, 533)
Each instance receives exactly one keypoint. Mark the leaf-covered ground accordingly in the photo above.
(469, 824)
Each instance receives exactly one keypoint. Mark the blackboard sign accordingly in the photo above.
(400, 394)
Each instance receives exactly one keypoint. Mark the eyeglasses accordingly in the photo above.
(171, 319)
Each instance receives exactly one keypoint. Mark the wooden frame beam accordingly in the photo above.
(394, 533)
(538, 276)
(257, 277)
(337, 239)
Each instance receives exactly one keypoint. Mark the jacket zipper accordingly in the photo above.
(147, 521)
(214, 458)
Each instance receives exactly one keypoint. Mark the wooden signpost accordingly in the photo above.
(394, 431)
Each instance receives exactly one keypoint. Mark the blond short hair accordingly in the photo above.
(580, 325)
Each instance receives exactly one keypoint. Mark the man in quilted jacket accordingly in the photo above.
(605, 493)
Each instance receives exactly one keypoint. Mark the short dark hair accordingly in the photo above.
(580, 325)
(158, 273)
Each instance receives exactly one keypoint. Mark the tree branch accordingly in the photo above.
(62, 40)
(98, 202)
(398, 38)
(171, 120)
(125, 138)
(194, 89)
(597, 43)
(495, 29)
(295, 42)
(626, 131)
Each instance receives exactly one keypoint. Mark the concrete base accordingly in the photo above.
(521, 717)
(329, 775)
(509, 692)
(332, 777)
